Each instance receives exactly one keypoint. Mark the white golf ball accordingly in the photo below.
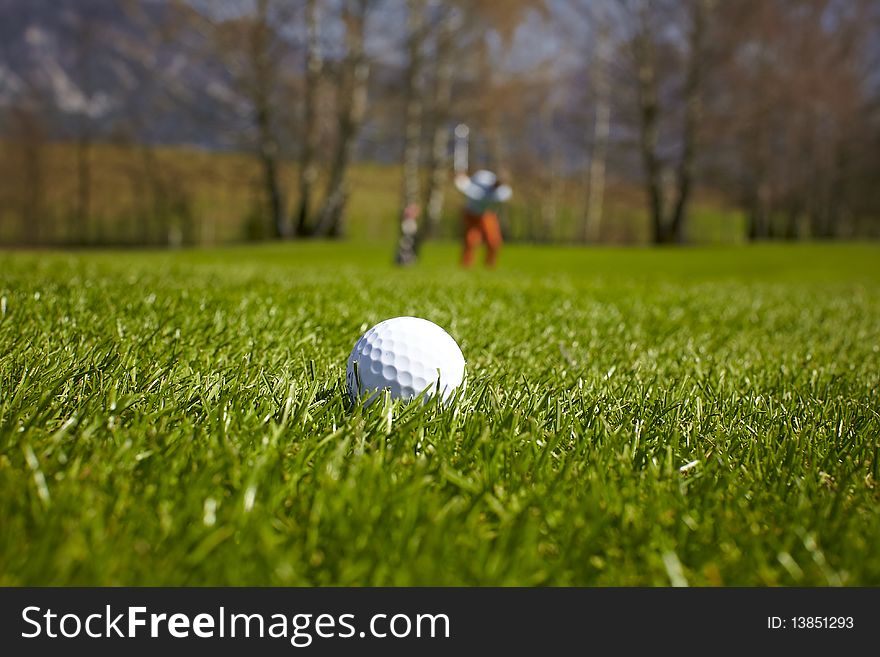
(406, 355)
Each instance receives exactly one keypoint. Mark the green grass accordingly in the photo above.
(640, 416)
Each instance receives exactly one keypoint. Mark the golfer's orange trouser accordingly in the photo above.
(481, 228)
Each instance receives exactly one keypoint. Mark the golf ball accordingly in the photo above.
(406, 355)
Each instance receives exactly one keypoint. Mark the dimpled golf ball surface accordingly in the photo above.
(404, 355)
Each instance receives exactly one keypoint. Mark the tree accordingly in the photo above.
(162, 211)
(412, 129)
(440, 104)
(455, 29)
(791, 98)
(412, 134)
(601, 129)
(461, 30)
(352, 105)
(693, 109)
(250, 50)
(308, 169)
(264, 75)
(651, 27)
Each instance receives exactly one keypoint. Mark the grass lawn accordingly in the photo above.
(703, 416)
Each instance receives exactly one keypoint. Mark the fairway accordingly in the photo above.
(701, 416)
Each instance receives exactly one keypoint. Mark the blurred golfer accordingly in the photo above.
(483, 190)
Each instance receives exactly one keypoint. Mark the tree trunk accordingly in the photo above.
(268, 155)
(592, 226)
(692, 115)
(267, 146)
(353, 103)
(648, 117)
(308, 170)
(412, 135)
(413, 119)
(440, 105)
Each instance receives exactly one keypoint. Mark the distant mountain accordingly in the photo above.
(113, 67)
(144, 70)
